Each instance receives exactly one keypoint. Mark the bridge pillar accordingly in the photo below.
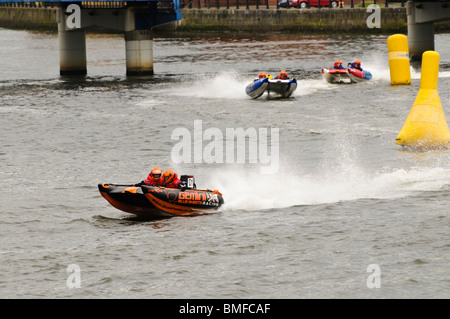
(72, 52)
(420, 35)
(139, 52)
(72, 48)
(135, 19)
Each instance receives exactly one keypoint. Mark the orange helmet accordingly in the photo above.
(338, 63)
(358, 62)
(262, 75)
(283, 75)
(156, 173)
(168, 176)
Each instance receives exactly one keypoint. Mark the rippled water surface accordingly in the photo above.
(345, 197)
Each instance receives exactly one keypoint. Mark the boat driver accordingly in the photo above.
(338, 65)
(356, 65)
(170, 179)
(283, 75)
(154, 178)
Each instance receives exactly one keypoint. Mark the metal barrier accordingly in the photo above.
(199, 4)
(266, 4)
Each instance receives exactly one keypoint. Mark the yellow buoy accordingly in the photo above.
(426, 127)
(399, 59)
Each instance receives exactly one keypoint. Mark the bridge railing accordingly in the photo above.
(92, 3)
(199, 4)
(266, 4)
(45, 4)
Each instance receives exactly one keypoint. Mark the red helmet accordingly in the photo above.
(155, 173)
(358, 62)
(168, 176)
(262, 75)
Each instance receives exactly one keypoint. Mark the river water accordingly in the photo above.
(345, 213)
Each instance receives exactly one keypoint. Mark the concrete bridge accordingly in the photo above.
(421, 16)
(135, 18)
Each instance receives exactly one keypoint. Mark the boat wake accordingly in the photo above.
(243, 190)
(231, 85)
(227, 85)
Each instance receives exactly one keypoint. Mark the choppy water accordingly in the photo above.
(345, 197)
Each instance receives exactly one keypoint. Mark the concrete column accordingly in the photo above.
(72, 48)
(139, 52)
(72, 52)
(420, 35)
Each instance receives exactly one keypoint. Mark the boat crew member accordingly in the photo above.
(154, 178)
(170, 179)
(338, 65)
(356, 65)
(283, 75)
(262, 75)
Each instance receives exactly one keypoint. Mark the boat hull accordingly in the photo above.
(178, 202)
(129, 199)
(336, 75)
(279, 88)
(156, 202)
(346, 75)
(283, 88)
(358, 75)
(257, 88)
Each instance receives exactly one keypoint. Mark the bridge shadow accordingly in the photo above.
(110, 81)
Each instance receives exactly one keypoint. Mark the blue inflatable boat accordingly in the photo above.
(277, 88)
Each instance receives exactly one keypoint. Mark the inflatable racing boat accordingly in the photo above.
(279, 88)
(155, 201)
(346, 75)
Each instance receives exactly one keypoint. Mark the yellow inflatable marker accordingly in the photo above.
(425, 126)
(399, 59)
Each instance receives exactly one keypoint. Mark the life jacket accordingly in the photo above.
(356, 67)
(153, 182)
(174, 183)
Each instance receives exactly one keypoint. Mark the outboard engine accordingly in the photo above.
(188, 182)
